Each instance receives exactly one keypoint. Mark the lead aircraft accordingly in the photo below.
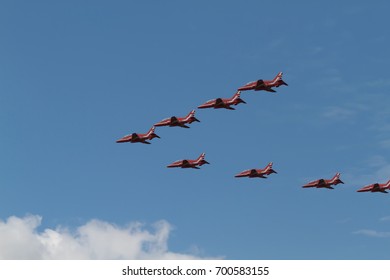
(190, 163)
(223, 102)
(138, 137)
(175, 121)
(257, 173)
(376, 188)
(266, 85)
(323, 183)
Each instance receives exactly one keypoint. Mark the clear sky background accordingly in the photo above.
(77, 75)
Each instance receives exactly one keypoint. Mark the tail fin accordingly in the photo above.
(236, 99)
(151, 131)
(236, 95)
(201, 157)
(336, 177)
(387, 186)
(278, 77)
(190, 115)
(269, 169)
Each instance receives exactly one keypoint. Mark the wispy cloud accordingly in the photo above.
(349, 112)
(376, 161)
(375, 170)
(379, 83)
(385, 219)
(19, 239)
(373, 233)
(339, 113)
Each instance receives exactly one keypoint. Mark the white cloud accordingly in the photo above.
(19, 239)
(373, 233)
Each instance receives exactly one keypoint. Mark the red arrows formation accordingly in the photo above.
(227, 103)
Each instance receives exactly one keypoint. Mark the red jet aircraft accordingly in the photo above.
(174, 121)
(323, 183)
(257, 173)
(376, 188)
(223, 102)
(141, 138)
(190, 163)
(265, 84)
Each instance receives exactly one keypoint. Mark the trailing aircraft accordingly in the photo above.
(266, 85)
(257, 173)
(190, 163)
(223, 102)
(175, 121)
(323, 183)
(138, 137)
(376, 188)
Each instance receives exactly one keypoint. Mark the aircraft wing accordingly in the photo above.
(244, 173)
(374, 187)
(257, 173)
(269, 89)
(248, 86)
(163, 122)
(174, 121)
(183, 125)
(312, 184)
(368, 188)
(177, 163)
(126, 138)
(207, 104)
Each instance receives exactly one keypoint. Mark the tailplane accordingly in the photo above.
(270, 169)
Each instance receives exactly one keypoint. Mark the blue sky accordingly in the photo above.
(77, 75)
